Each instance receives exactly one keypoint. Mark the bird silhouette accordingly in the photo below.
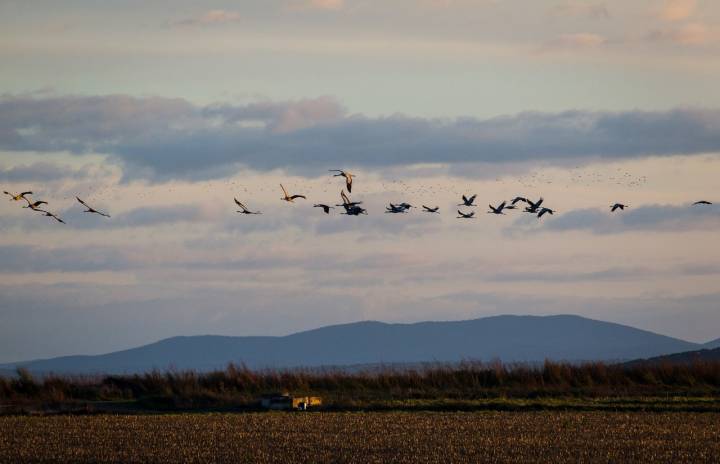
(543, 211)
(465, 215)
(91, 210)
(34, 205)
(427, 209)
(325, 208)
(348, 177)
(498, 209)
(468, 201)
(244, 209)
(290, 198)
(533, 206)
(617, 206)
(52, 215)
(18, 197)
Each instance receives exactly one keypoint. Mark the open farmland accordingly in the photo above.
(364, 437)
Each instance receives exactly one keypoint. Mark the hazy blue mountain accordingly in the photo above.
(686, 357)
(713, 344)
(508, 338)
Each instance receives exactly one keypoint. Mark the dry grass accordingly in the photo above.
(365, 437)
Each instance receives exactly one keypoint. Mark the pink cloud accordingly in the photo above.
(678, 10)
(211, 17)
(590, 10)
(571, 41)
(688, 34)
(318, 4)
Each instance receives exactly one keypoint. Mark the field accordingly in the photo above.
(365, 437)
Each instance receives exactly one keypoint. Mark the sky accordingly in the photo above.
(161, 112)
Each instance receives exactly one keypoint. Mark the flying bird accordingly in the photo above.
(465, 215)
(34, 205)
(52, 215)
(18, 197)
(534, 206)
(354, 211)
(701, 202)
(325, 208)
(91, 210)
(348, 177)
(346, 200)
(468, 201)
(431, 210)
(498, 210)
(543, 211)
(395, 209)
(289, 198)
(352, 208)
(244, 208)
(617, 206)
(517, 199)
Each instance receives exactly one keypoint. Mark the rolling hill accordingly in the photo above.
(508, 338)
(712, 344)
(686, 357)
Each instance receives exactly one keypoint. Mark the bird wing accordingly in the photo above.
(472, 198)
(25, 193)
(465, 200)
(240, 204)
(284, 191)
(344, 197)
(348, 182)
(298, 196)
(82, 202)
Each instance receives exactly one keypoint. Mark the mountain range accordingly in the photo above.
(505, 338)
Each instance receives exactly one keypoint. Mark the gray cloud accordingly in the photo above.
(20, 258)
(651, 217)
(139, 217)
(42, 172)
(172, 138)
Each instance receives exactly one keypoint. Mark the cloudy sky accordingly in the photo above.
(160, 112)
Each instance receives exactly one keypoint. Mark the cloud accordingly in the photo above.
(164, 138)
(211, 17)
(590, 10)
(643, 218)
(677, 10)
(574, 41)
(687, 34)
(279, 116)
(320, 4)
(146, 216)
(19, 259)
(42, 172)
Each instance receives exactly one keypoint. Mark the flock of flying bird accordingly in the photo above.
(351, 208)
(35, 205)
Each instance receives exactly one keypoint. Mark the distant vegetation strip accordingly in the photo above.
(465, 386)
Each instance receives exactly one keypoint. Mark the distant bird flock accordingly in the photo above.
(350, 208)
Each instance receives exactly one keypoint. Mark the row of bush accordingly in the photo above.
(468, 380)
